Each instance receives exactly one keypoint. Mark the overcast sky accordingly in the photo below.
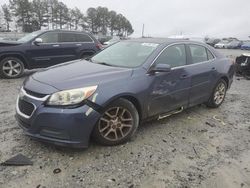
(162, 18)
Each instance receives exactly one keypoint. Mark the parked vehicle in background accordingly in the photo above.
(102, 38)
(234, 44)
(119, 87)
(112, 41)
(41, 49)
(212, 41)
(245, 45)
(243, 65)
(222, 44)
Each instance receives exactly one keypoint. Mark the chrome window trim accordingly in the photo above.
(189, 65)
(22, 114)
(64, 42)
(184, 43)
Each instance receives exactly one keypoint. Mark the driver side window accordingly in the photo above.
(174, 56)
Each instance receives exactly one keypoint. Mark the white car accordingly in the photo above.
(111, 41)
(222, 44)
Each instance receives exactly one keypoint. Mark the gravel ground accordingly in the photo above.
(199, 147)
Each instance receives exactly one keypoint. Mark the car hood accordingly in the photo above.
(9, 43)
(80, 73)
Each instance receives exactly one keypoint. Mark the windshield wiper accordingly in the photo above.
(103, 63)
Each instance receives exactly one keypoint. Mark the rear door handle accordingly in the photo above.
(213, 68)
(78, 44)
(56, 45)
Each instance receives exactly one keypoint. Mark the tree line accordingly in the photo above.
(53, 14)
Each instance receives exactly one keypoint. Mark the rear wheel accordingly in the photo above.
(11, 67)
(218, 95)
(118, 123)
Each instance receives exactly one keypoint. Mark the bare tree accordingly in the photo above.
(7, 16)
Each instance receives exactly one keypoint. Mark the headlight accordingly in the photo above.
(71, 97)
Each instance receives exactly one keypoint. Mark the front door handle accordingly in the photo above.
(56, 45)
(78, 44)
(213, 68)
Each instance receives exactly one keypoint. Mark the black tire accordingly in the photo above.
(212, 103)
(130, 111)
(8, 64)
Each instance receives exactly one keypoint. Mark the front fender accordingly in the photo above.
(15, 54)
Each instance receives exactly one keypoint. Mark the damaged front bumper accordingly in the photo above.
(59, 126)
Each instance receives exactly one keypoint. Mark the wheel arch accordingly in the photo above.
(87, 52)
(131, 98)
(225, 78)
(16, 55)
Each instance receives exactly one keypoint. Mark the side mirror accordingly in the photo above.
(160, 68)
(38, 41)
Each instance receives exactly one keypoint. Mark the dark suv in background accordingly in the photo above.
(42, 49)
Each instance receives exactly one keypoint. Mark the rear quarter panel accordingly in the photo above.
(225, 69)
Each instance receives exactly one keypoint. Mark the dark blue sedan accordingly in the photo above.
(108, 96)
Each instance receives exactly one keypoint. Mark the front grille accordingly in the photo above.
(26, 107)
(32, 93)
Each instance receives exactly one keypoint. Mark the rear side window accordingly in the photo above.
(50, 37)
(67, 37)
(198, 53)
(83, 38)
(174, 56)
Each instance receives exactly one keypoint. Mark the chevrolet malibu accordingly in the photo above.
(108, 96)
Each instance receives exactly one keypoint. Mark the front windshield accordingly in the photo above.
(29, 36)
(125, 54)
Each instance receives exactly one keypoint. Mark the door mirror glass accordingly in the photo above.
(161, 68)
(38, 41)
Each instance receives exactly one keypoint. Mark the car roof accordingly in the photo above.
(163, 40)
(66, 31)
(169, 41)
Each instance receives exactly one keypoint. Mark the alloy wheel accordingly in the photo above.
(220, 93)
(115, 124)
(12, 68)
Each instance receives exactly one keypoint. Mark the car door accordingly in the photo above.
(70, 46)
(46, 53)
(86, 44)
(170, 91)
(202, 71)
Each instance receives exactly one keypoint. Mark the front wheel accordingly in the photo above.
(218, 95)
(118, 123)
(11, 67)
